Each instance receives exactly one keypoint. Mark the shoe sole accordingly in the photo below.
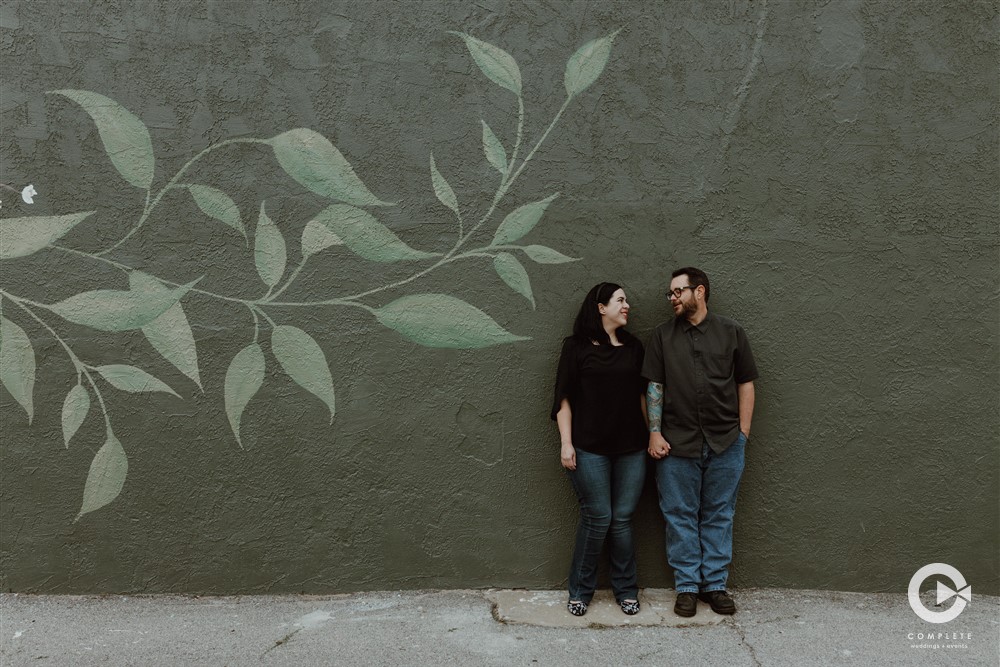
(685, 614)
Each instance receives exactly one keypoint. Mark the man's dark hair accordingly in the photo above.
(695, 277)
(588, 326)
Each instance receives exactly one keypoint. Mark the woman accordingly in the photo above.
(600, 409)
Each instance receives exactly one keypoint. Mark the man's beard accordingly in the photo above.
(688, 308)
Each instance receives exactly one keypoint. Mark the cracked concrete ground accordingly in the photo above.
(772, 627)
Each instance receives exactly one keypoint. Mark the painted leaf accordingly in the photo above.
(315, 163)
(114, 310)
(74, 411)
(521, 220)
(366, 236)
(217, 204)
(494, 150)
(133, 380)
(169, 334)
(496, 64)
(20, 237)
(544, 255)
(441, 188)
(269, 252)
(106, 477)
(316, 237)
(17, 365)
(243, 379)
(126, 139)
(587, 63)
(512, 273)
(304, 361)
(439, 320)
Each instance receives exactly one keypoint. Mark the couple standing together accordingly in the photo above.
(687, 402)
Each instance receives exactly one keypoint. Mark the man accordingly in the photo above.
(700, 403)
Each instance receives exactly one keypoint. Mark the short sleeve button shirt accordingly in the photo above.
(699, 368)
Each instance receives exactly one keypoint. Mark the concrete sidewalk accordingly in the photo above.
(772, 627)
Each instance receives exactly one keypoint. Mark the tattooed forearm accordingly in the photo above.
(654, 405)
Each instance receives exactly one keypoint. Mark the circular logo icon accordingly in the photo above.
(962, 593)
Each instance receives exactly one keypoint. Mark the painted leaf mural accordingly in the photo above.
(315, 163)
(126, 139)
(521, 221)
(366, 236)
(587, 63)
(544, 255)
(74, 411)
(439, 320)
(269, 252)
(243, 379)
(498, 65)
(153, 304)
(303, 359)
(496, 155)
(118, 310)
(317, 237)
(512, 272)
(20, 237)
(106, 477)
(441, 188)
(17, 365)
(218, 205)
(169, 334)
(133, 380)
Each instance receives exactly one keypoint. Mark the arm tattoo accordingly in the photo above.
(654, 405)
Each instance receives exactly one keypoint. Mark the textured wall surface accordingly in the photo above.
(832, 166)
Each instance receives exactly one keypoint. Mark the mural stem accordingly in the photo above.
(173, 181)
(345, 301)
(295, 274)
(253, 304)
(77, 364)
(520, 133)
(100, 398)
(545, 135)
(264, 315)
(508, 182)
(126, 268)
(256, 323)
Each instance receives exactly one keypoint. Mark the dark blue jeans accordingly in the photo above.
(608, 488)
(698, 501)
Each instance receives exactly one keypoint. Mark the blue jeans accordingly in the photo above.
(608, 488)
(698, 501)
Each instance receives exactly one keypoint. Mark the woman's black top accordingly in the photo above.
(603, 385)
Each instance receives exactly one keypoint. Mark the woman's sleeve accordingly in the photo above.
(566, 379)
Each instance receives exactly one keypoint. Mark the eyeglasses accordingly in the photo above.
(677, 292)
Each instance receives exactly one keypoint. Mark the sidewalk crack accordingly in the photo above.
(743, 641)
(284, 640)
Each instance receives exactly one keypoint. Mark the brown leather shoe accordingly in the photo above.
(719, 601)
(686, 605)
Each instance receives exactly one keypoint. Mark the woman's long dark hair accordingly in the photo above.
(588, 326)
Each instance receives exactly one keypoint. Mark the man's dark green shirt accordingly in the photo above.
(699, 368)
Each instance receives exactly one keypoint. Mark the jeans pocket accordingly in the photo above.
(741, 439)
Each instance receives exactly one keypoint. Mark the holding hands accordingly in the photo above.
(658, 445)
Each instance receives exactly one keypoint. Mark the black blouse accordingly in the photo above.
(603, 385)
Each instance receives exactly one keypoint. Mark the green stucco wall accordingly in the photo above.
(831, 165)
